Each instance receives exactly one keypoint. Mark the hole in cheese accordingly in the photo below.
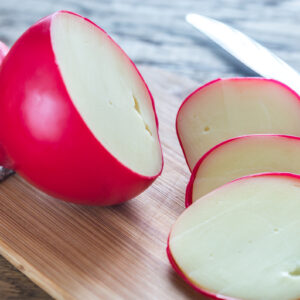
(206, 128)
(137, 108)
(295, 272)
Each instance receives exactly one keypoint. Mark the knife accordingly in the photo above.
(247, 51)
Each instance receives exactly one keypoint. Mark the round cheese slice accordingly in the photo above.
(242, 241)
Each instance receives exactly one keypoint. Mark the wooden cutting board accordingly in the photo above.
(80, 252)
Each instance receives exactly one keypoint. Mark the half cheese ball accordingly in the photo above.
(242, 241)
(243, 156)
(80, 122)
(227, 108)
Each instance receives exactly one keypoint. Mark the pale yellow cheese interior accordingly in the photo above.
(245, 156)
(234, 107)
(243, 240)
(108, 92)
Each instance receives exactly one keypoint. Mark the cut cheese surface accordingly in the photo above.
(243, 239)
(245, 156)
(229, 108)
(107, 91)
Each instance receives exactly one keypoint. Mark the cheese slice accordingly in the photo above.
(228, 108)
(243, 239)
(243, 156)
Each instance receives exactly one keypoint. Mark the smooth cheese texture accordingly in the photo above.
(243, 239)
(229, 108)
(245, 156)
(108, 92)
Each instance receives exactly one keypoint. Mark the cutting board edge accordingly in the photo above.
(33, 274)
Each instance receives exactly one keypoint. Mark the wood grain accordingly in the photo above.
(15, 285)
(80, 252)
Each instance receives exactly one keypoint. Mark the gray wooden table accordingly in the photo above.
(154, 33)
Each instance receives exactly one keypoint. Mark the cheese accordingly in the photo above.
(229, 108)
(107, 91)
(244, 156)
(243, 239)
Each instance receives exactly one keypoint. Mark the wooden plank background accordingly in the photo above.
(154, 33)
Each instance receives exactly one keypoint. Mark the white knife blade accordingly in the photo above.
(246, 50)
